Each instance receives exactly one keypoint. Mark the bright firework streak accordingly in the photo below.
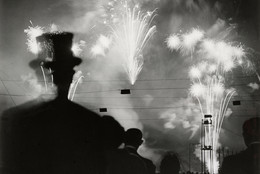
(77, 78)
(131, 35)
(32, 32)
(208, 83)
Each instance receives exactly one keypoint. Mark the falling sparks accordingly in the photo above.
(215, 58)
(131, 33)
(77, 79)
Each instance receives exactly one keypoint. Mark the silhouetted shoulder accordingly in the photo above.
(24, 109)
(241, 163)
(57, 136)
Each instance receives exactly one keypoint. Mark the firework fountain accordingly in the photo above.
(214, 58)
(34, 47)
(131, 30)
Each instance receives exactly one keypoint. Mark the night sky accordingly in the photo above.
(162, 86)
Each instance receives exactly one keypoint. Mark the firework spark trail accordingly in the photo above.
(131, 35)
(215, 59)
(44, 78)
(77, 78)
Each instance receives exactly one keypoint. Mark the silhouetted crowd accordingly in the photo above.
(59, 136)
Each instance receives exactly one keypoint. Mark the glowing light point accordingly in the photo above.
(194, 72)
(173, 42)
(197, 90)
(238, 52)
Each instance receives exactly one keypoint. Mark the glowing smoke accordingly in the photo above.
(102, 45)
(254, 86)
(181, 115)
(77, 47)
(34, 88)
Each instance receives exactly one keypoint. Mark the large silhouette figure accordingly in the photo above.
(55, 136)
(133, 139)
(247, 161)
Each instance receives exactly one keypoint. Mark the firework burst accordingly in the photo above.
(185, 42)
(131, 31)
(214, 59)
(32, 32)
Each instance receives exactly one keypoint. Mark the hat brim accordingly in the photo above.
(75, 61)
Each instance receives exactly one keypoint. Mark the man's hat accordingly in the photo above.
(56, 47)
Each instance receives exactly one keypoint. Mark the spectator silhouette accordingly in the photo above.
(247, 161)
(55, 136)
(118, 160)
(170, 164)
(133, 139)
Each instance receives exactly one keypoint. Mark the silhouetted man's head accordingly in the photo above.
(170, 164)
(133, 137)
(251, 130)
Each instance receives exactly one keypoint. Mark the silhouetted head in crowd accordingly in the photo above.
(251, 130)
(133, 137)
(170, 164)
(56, 55)
(112, 132)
